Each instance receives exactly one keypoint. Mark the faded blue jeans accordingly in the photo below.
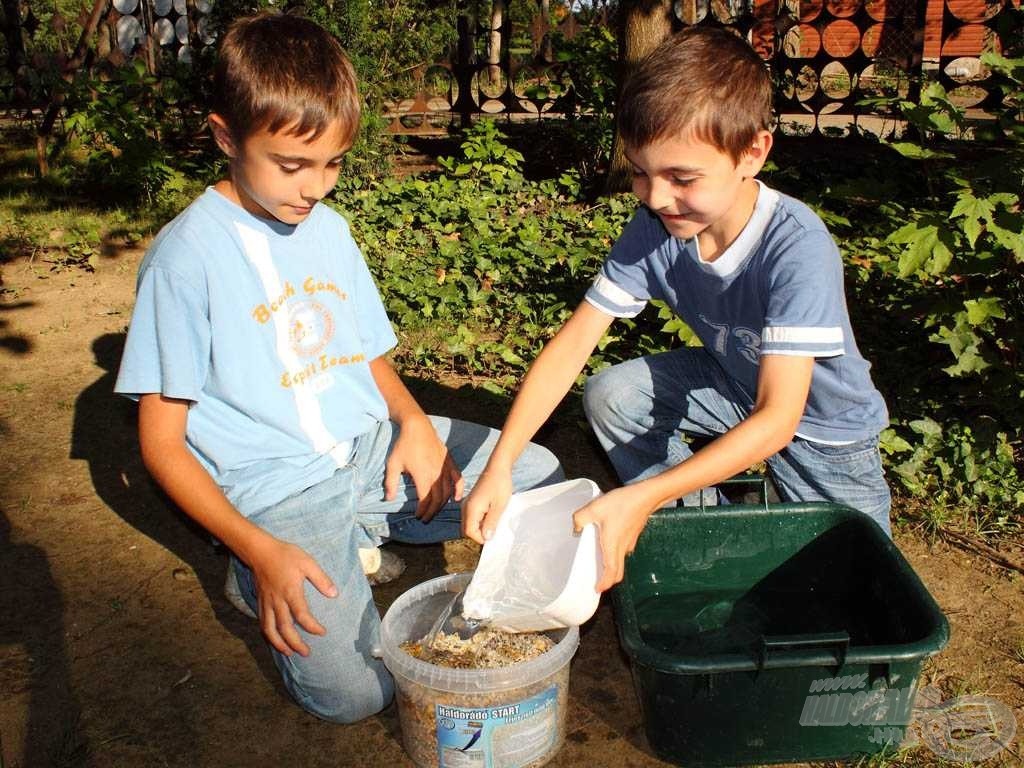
(638, 409)
(340, 681)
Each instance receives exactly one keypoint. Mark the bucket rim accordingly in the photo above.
(466, 681)
(932, 640)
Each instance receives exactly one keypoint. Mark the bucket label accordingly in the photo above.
(507, 735)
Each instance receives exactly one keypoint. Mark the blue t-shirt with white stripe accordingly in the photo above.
(267, 329)
(777, 290)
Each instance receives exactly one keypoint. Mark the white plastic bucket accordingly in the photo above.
(513, 717)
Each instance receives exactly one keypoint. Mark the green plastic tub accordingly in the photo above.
(773, 633)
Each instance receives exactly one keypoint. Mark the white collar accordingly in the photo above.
(744, 244)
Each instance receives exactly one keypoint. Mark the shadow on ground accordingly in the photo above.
(36, 663)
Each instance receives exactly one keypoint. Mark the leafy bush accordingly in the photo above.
(478, 265)
(591, 61)
(938, 249)
(136, 137)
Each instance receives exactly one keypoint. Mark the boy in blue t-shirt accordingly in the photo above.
(758, 278)
(267, 409)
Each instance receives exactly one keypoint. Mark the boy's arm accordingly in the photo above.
(279, 568)
(782, 387)
(418, 450)
(550, 376)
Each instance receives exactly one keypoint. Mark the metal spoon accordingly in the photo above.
(451, 621)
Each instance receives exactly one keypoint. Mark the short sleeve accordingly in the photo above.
(806, 304)
(168, 346)
(627, 280)
(613, 300)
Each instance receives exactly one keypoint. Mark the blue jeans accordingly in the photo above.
(641, 409)
(340, 681)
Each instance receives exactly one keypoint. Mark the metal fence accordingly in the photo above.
(827, 56)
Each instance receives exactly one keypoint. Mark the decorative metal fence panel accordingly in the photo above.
(156, 28)
(827, 57)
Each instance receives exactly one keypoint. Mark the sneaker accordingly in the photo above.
(389, 567)
(234, 594)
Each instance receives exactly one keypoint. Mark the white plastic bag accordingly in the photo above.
(535, 573)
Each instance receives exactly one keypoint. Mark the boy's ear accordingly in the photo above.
(757, 153)
(222, 134)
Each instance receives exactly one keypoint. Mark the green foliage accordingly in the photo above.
(957, 463)
(1007, 72)
(938, 250)
(118, 124)
(479, 266)
(591, 61)
(486, 156)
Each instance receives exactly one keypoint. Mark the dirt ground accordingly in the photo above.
(117, 647)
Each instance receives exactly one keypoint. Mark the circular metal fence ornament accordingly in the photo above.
(185, 55)
(206, 31)
(204, 6)
(161, 7)
(180, 7)
(124, 7)
(163, 31)
(181, 30)
(129, 33)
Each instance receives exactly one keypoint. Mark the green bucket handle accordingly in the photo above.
(817, 648)
(746, 479)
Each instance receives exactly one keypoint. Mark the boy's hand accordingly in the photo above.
(281, 571)
(486, 502)
(419, 453)
(620, 516)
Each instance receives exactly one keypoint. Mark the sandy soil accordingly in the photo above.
(117, 647)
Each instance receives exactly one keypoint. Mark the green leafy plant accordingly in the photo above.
(942, 252)
(478, 264)
(119, 124)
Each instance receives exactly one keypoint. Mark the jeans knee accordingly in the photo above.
(599, 397)
(349, 706)
(341, 698)
(544, 466)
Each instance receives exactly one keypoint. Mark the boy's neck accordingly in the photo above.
(229, 190)
(716, 239)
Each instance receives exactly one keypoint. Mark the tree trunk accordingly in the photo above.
(642, 25)
(546, 51)
(16, 58)
(494, 43)
(68, 74)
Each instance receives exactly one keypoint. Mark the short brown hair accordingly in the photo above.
(278, 70)
(704, 81)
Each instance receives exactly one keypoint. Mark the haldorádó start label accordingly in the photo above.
(502, 736)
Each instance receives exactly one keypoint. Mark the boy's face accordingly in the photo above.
(697, 189)
(280, 175)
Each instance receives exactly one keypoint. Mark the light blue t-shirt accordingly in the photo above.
(268, 330)
(777, 290)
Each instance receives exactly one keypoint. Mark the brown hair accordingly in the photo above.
(702, 81)
(277, 70)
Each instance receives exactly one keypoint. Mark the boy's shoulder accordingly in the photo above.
(212, 227)
(792, 220)
(201, 228)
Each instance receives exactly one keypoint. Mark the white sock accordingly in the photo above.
(370, 558)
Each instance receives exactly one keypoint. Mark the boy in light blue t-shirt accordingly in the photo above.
(267, 408)
(758, 278)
